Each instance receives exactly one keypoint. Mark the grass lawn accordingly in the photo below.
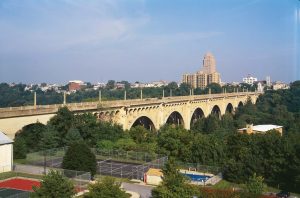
(223, 184)
(99, 177)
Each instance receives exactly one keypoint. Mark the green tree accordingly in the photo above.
(106, 188)
(62, 122)
(49, 138)
(32, 135)
(141, 135)
(80, 157)
(172, 85)
(20, 148)
(255, 185)
(184, 89)
(175, 142)
(87, 126)
(174, 184)
(72, 136)
(110, 84)
(214, 87)
(54, 185)
(105, 145)
(126, 144)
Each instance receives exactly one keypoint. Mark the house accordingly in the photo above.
(250, 128)
(6, 153)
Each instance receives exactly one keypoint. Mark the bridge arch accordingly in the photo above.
(197, 114)
(144, 121)
(229, 108)
(216, 111)
(240, 104)
(175, 118)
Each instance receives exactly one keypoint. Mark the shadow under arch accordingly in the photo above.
(240, 104)
(216, 111)
(175, 118)
(145, 122)
(198, 113)
(229, 108)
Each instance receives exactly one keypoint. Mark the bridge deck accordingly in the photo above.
(89, 106)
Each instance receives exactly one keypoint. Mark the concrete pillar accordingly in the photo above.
(100, 96)
(209, 91)
(171, 92)
(34, 100)
(163, 96)
(190, 92)
(141, 94)
(65, 98)
(125, 95)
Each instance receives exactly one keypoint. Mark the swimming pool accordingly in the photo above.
(197, 178)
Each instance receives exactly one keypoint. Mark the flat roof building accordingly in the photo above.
(207, 75)
(250, 128)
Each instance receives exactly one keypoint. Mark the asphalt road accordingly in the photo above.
(144, 191)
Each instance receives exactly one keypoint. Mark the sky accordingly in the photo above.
(55, 41)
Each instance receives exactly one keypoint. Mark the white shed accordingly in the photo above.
(153, 176)
(6, 153)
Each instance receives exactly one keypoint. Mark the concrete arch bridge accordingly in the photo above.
(152, 113)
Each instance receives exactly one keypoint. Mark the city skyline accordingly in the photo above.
(140, 40)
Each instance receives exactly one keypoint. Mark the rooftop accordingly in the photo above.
(264, 127)
(154, 172)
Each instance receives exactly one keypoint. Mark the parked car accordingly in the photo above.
(283, 194)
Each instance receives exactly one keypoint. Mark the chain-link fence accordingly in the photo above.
(125, 156)
(128, 170)
(20, 195)
(117, 163)
(199, 167)
(47, 158)
(81, 179)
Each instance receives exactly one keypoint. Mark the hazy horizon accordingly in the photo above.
(147, 40)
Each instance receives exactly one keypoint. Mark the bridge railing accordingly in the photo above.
(118, 103)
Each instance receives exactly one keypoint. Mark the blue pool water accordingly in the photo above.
(197, 178)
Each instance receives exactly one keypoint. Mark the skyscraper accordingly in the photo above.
(205, 76)
(209, 63)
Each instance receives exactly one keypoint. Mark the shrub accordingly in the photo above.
(80, 157)
(54, 184)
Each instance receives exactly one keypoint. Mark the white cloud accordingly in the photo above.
(61, 26)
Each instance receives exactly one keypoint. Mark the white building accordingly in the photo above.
(280, 85)
(268, 81)
(6, 153)
(249, 80)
